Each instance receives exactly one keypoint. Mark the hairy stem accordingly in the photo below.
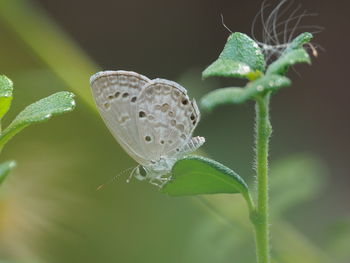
(260, 220)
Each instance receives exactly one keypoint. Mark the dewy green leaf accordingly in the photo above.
(282, 64)
(230, 68)
(5, 169)
(6, 88)
(299, 41)
(194, 175)
(241, 57)
(39, 111)
(240, 95)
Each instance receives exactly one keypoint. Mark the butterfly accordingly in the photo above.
(152, 120)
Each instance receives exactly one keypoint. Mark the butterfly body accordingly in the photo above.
(153, 120)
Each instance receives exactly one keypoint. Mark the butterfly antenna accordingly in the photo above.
(223, 23)
(131, 174)
(113, 179)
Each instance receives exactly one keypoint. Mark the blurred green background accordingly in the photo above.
(50, 210)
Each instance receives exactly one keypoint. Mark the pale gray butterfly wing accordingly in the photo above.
(116, 94)
(153, 120)
(166, 120)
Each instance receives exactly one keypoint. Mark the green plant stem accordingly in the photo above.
(260, 221)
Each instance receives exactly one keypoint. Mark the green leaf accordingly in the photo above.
(222, 97)
(230, 68)
(293, 54)
(241, 57)
(39, 111)
(194, 175)
(239, 95)
(299, 41)
(241, 48)
(6, 88)
(282, 64)
(5, 169)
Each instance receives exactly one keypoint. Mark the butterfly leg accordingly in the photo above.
(159, 181)
(164, 182)
(155, 182)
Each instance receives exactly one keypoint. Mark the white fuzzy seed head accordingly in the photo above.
(280, 25)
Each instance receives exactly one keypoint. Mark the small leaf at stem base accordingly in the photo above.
(194, 175)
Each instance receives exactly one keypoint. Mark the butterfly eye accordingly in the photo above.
(142, 171)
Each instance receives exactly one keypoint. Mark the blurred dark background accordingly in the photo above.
(63, 161)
